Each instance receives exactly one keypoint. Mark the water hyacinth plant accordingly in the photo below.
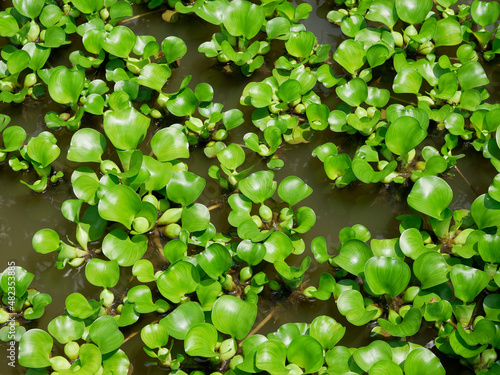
(188, 170)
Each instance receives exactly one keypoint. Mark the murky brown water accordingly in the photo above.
(22, 212)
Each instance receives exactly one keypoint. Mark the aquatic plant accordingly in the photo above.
(149, 238)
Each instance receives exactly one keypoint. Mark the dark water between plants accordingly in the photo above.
(23, 212)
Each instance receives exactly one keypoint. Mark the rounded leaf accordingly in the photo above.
(431, 196)
(306, 352)
(182, 319)
(387, 275)
(102, 273)
(35, 348)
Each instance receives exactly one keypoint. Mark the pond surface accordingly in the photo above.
(376, 206)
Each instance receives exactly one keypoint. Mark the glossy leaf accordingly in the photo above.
(431, 196)
(117, 245)
(65, 85)
(215, 260)
(431, 269)
(468, 282)
(34, 349)
(185, 187)
(201, 340)
(105, 333)
(125, 128)
(413, 11)
(327, 331)
(353, 256)
(306, 352)
(387, 275)
(178, 280)
(403, 135)
(182, 319)
(234, 316)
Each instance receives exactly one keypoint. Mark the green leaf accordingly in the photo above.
(215, 260)
(350, 304)
(119, 41)
(102, 273)
(117, 245)
(431, 269)
(377, 97)
(448, 33)
(383, 11)
(472, 75)
(154, 336)
(367, 356)
(386, 275)
(485, 211)
(290, 91)
(195, 217)
(16, 280)
(88, 6)
(483, 333)
(300, 44)
(55, 37)
(65, 329)
(242, 18)
(8, 25)
(403, 135)
(182, 319)
(170, 143)
(154, 76)
(18, 61)
(250, 252)
(120, 203)
(292, 190)
(351, 55)
(232, 156)
(178, 280)
(185, 187)
(413, 11)
(306, 352)
(260, 94)
(79, 307)
(408, 327)
(327, 331)
(353, 92)
(407, 81)
(485, 12)
(34, 349)
(30, 9)
(259, 186)
(45, 241)
(431, 196)
(278, 246)
(468, 282)
(201, 341)
(144, 271)
(488, 246)
(38, 302)
(38, 54)
(270, 356)
(105, 334)
(234, 316)
(173, 48)
(353, 256)
(384, 367)
(87, 145)
(183, 103)
(421, 361)
(65, 85)
(125, 128)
